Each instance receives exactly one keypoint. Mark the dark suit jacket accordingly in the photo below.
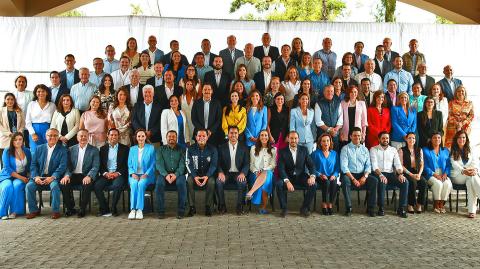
(138, 120)
(393, 55)
(281, 69)
(259, 80)
(272, 52)
(425, 131)
(387, 67)
(286, 167)
(151, 81)
(122, 159)
(214, 119)
(228, 64)
(350, 82)
(220, 91)
(63, 78)
(57, 165)
(210, 61)
(161, 97)
(241, 158)
(62, 90)
(429, 81)
(389, 100)
(140, 94)
(90, 165)
(167, 57)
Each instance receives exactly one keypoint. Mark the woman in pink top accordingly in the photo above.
(354, 114)
(95, 121)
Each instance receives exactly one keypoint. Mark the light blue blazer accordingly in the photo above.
(401, 124)
(301, 126)
(91, 161)
(9, 164)
(148, 161)
(255, 123)
(431, 163)
(57, 165)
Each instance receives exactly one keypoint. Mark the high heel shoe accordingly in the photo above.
(324, 211)
(330, 211)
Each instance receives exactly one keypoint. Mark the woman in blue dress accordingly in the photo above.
(141, 172)
(257, 116)
(262, 164)
(327, 171)
(13, 177)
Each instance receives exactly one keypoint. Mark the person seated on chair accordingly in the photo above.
(141, 172)
(113, 172)
(201, 165)
(262, 164)
(170, 166)
(293, 161)
(13, 177)
(83, 165)
(385, 162)
(327, 171)
(437, 168)
(49, 164)
(356, 167)
(233, 165)
(465, 169)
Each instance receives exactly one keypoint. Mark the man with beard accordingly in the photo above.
(220, 81)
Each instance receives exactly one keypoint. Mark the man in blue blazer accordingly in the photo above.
(233, 165)
(70, 76)
(57, 89)
(293, 161)
(153, 50)
(82, 170)
(230, 55)
(449, 83)
(48, 166)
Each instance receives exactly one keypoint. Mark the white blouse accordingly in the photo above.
(263, 161)
(290, 89)
(35, 114)
(442, 106)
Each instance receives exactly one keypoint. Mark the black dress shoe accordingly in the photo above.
(70, 212)
(348, 212)
(208, 211)
(192, 211)
(161, 215)
(381, 212)
(81, 214)
(324, 212)
(222, 209)
(304, 212)
(115, 213)
(330, 211)
(240, 210)
(371, 212)
(180, 215)
(283, 214)
(402, 213)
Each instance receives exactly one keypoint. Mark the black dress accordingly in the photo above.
(279, 122)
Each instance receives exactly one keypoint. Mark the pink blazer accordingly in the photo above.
(360, 119)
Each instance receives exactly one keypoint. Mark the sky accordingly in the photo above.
(357, 10)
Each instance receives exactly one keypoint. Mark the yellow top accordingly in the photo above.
(234, 118)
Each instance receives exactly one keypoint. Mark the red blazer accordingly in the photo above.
(376, 124)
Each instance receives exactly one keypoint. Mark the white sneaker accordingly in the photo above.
(107, 215)
(12, 216)
(4, 217)
(132, 214)
(139, 214)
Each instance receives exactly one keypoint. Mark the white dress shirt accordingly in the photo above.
(233, 151)
(385, 159)
(49, 156)
(206, 111)
(36, 114)
(134, 94)
(120, 79)
(81, 154)
(375, 80)
(266, 50)
(294, 157)
(169, 91)
(318, 116)
(267, 76)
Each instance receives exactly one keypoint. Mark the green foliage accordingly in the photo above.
(442, 20)
(136, 10)
(72, 13)
(293, 10)
(385, 11)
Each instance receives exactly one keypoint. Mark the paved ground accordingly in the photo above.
(252, 241)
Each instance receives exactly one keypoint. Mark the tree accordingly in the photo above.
(385, 11)
(294, 10)
(72, 13)
(442, 20)
(136, 10)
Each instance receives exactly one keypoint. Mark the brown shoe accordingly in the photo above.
(32, 215)
(55, 215)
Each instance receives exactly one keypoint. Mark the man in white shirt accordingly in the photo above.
(155, 54)
(135, 88)
(263, 77)
(375, 79)
(121, 76)
(266, 49)
(388, 169)
(83, 166)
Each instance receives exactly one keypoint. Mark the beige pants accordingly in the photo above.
(440, 190)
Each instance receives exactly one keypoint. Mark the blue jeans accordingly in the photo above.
(32, 188)
(181, 184)
(370, 185)
(231, 177)
(12, 197)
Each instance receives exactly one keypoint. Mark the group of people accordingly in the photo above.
(261, 119)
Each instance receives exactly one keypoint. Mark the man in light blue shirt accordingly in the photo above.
(403, 78)
(83, 91)
(318, 77)
(96, 76)
(356, 167)
(110, 63)
(202, 69)
(329, 58)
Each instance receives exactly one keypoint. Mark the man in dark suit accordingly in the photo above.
(220, 81)
(262, 78)
(174, 46)
(292, 162)
(449, 83)
(391, 93)
(146, 115)
(382, 66)
(230, 55)
(359, 58)
(264, 50)
(135, 88)
(163, 92)
(70, 76)
(113, 173)
(48, 165)
(206, 46)
(57, 89)
(425, 80)
(157, 79)
(207, 114)
(347, 78)
(283, 62)
(233, 165)
(390, 55)
(82, 170)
